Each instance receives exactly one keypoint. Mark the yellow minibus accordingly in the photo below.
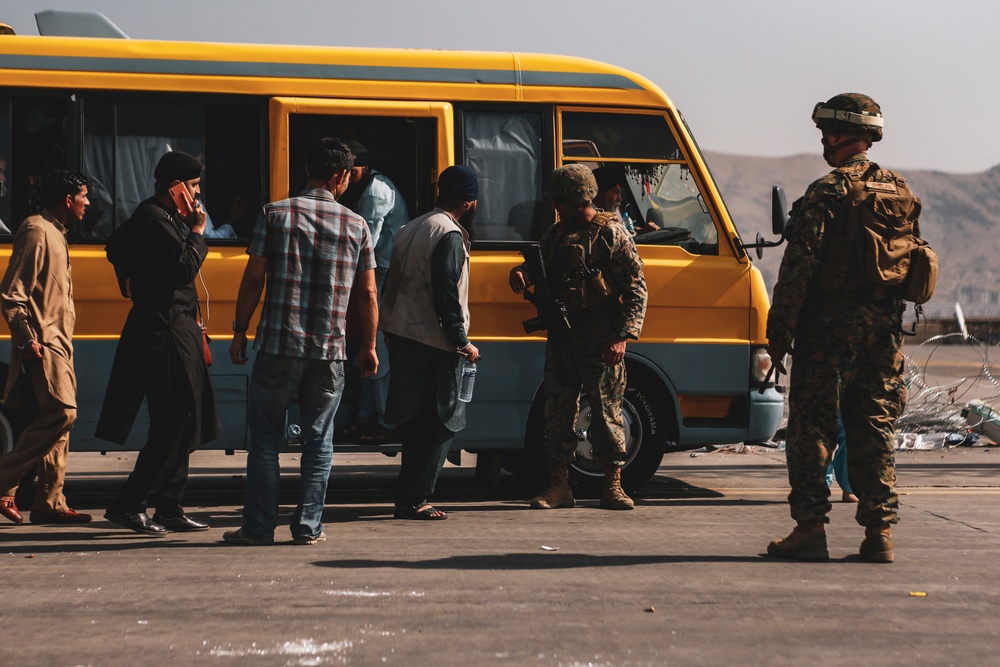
(111, 107)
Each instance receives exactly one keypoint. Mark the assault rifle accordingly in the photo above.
(552, 315)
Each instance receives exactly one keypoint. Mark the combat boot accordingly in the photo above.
(613, 497)
(877, 547)
(558, 494)
(806, 542)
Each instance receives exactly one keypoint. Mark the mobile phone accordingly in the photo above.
(182, 199)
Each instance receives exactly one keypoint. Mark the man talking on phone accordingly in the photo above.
(157, 253)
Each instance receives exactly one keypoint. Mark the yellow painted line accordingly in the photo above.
(991, 490)
(952, 364)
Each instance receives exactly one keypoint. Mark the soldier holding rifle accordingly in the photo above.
(594, 270)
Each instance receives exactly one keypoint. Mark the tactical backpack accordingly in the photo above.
(575, 266)
(880, 246)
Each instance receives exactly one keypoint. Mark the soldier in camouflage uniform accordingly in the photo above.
(848, 350)
(593, 267)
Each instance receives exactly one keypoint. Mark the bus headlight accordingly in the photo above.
(761, 365)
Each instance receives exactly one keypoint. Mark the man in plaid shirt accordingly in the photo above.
(315, 256)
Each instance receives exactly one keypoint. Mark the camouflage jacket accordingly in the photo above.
(819, 208)
(616, 256)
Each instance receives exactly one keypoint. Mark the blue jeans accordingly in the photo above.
(838, 462)
(275, 380)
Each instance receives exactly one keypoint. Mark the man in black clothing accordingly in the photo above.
(160, 353)
(425, 316)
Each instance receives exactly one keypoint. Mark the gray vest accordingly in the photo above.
(408, 302)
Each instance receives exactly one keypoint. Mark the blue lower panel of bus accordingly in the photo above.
(509, 375)
(507, 380)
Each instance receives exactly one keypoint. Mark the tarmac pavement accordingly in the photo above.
(681, 580)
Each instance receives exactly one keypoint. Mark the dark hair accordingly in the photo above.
(58, 184)
(328, 156)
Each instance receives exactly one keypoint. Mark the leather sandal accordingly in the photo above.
(422, 513)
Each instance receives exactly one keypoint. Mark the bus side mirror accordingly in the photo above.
(779, 210)
(779, 217)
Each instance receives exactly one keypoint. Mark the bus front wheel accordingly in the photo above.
(648, 427)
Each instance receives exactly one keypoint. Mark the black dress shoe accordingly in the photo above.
(137, 521)
(180, 524)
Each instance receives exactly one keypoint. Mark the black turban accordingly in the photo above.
(609, 176)
(459, 182)
(177, 166)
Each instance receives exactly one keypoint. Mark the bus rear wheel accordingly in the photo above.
(648, 428)
(7, 435)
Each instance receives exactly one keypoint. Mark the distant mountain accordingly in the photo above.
(960, 218)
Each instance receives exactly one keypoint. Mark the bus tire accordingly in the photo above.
(649, 425)
(7, 435)
(648, 428)
(12, 423)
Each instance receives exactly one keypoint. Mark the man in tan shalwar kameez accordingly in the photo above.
(36, 298)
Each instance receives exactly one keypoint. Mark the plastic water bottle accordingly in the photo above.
(627, 222)
(468, 382)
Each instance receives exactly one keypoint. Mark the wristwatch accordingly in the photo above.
(238, 329)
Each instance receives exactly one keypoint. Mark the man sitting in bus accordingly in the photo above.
(610, 181)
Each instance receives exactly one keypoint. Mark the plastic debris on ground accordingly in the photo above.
(963, 412)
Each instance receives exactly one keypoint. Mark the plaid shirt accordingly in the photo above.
(314, 248)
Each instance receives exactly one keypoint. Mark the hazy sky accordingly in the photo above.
(745, 73)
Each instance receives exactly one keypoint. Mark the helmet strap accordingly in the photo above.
(830, 150)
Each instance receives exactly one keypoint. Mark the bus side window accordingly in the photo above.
(505, 150)
(124, 140)
(233, 184)
(39, 144)
(6, 223)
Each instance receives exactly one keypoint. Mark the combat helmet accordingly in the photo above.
(574, 183)
(847, 113)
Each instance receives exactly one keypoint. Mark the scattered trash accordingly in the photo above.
(983, 418)
(908, 441)
(30, 556)
(649, 610)
(545, 548)
(918, 594)
(963, 412)
(961, 405)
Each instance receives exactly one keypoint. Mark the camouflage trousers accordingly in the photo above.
(848, 361)
(583, 370)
